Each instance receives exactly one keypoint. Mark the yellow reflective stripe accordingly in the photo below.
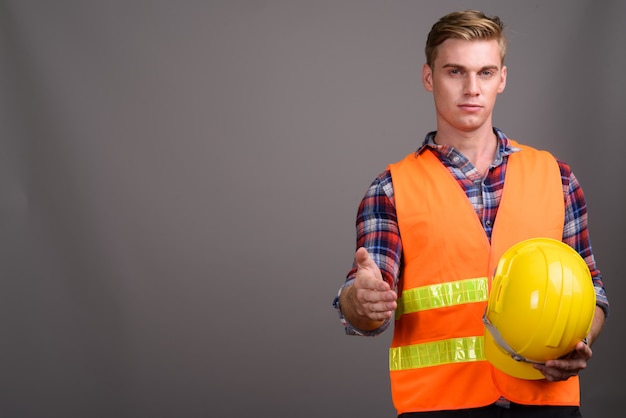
(454, 350)
(442, 295)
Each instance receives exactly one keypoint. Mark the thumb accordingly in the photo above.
(369, 271)
(365, 262)
(363, 259)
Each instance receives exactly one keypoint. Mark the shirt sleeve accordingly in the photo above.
(576, 232)
(377, 231)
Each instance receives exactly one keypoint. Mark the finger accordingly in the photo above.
(583, 350)
(554, 374)
(380, 310)
(380, 316)
(384, 300)
(573, 365)
(562, 369)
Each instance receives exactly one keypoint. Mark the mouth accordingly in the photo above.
(470, 107)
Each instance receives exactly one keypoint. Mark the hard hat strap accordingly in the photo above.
(502, 343)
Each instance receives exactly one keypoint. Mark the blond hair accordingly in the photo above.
(469, 25)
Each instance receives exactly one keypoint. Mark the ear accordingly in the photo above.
(427, 77)
(502, 79)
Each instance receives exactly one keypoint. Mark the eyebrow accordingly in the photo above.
(462, 67)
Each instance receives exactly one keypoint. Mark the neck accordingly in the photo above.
(477, 146)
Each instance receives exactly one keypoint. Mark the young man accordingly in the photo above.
(416, 228)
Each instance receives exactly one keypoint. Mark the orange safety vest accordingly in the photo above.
(436, 357)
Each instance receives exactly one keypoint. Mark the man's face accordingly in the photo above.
(465, 80)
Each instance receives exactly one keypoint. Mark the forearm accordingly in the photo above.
(596, 326)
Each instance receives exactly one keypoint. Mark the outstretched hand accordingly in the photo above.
(566, 367)
(372, 297)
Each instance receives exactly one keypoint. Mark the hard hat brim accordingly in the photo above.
(503, 361)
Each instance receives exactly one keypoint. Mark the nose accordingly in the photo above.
(471, 85)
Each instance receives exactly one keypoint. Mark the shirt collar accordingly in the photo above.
(504, 145)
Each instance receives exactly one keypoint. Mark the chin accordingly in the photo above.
(469, 126)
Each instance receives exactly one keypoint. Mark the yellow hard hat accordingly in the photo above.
(541, 305)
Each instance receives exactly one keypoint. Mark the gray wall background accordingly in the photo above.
(179, 182)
